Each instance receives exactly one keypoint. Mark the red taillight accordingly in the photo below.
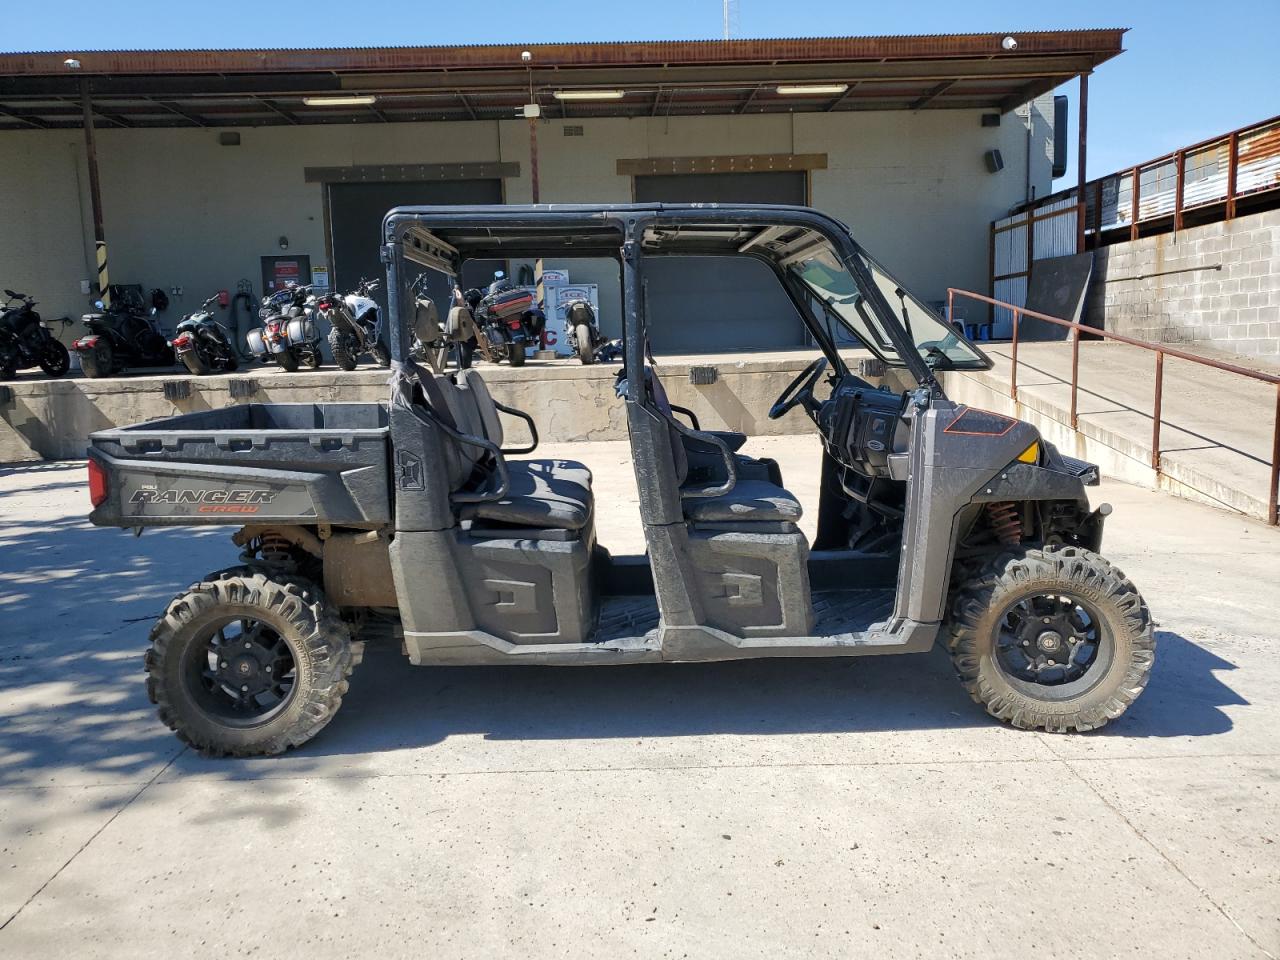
(97, 484)
(514, 324)
(182, 339)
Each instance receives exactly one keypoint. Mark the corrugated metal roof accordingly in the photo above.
(486, 81)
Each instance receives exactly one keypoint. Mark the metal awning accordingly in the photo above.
(220, 88)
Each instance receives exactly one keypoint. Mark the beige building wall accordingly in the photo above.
(182, 211)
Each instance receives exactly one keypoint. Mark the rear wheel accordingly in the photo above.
(288, 361)
(312, 359)
(98, 361)
(380, 355)
(1053, 639)
(515, 354)
(195, 363)
(231, 364)
(245, 663)
(54, 360)
(582, 334)
(341, 350)
(8, 369)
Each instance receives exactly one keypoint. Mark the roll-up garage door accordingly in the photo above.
(719, 304)
(355, 218)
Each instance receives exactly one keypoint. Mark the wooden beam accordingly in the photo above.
(841, 99)
(934, 92)
(743, 163)
(179, 112)
(276, 109)
(24, 118)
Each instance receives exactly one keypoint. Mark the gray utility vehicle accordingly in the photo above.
(418, 520)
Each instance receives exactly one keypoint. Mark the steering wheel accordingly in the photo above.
(800, 390)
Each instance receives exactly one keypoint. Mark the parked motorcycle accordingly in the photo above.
(122, 335)
(585, 339)
(204, 344)
(26, 340)
(355, 323)
(504, 317)
(288, 332)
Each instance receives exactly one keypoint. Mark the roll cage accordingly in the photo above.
(442, 238)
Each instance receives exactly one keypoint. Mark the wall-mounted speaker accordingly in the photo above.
(995, 162)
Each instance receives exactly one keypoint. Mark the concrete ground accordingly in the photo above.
(768, 808)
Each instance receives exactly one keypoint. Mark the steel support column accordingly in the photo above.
(1081, 156)
(95, 194)
(533, 157)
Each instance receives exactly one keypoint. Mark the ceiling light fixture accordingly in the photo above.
(811, 89)
(359, 100)
(589, 94)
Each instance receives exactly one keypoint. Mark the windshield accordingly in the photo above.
(828, 281)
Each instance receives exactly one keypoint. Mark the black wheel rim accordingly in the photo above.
(1055, 644)
(240, 672)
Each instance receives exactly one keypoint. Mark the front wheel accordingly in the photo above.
(54, 360)
(98, 360)
(243, 664)
(380, 354)
(1053, 638)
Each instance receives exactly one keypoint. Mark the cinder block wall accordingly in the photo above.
(1217, 285)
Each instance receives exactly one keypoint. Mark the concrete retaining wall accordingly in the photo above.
(50, 419)
(1217, 285)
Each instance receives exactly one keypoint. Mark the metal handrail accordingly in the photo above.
(1160, 350)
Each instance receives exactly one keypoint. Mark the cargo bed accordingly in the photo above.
(298, 463)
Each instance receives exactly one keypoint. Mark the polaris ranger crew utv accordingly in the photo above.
(418, 519)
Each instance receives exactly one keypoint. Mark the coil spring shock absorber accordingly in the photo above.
(1006, 522)
(274, 548)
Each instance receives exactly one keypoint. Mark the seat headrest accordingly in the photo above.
(472, 384)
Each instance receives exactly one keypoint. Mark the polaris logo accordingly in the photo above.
(207, 501)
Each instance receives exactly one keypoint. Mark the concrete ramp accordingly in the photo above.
(1216, 427)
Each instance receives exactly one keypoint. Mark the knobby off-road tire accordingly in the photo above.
(341, 354)
(296, 611)
(382, 356)
(1120, 667)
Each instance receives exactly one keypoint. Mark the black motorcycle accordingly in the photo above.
(355, 326)
(585, 339)
(25, 340)
(122, 335)
(204, 344)
(288, 333)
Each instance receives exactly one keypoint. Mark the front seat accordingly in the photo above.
(712, 491)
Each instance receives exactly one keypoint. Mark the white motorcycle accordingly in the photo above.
(355, 322)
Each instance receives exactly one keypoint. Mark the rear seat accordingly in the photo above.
(541, 493)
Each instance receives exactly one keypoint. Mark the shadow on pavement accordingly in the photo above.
(77, 602)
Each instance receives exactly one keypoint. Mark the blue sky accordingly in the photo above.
(1190, 70)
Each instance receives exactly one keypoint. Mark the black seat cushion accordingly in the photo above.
(749, 500)
(544, 494)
